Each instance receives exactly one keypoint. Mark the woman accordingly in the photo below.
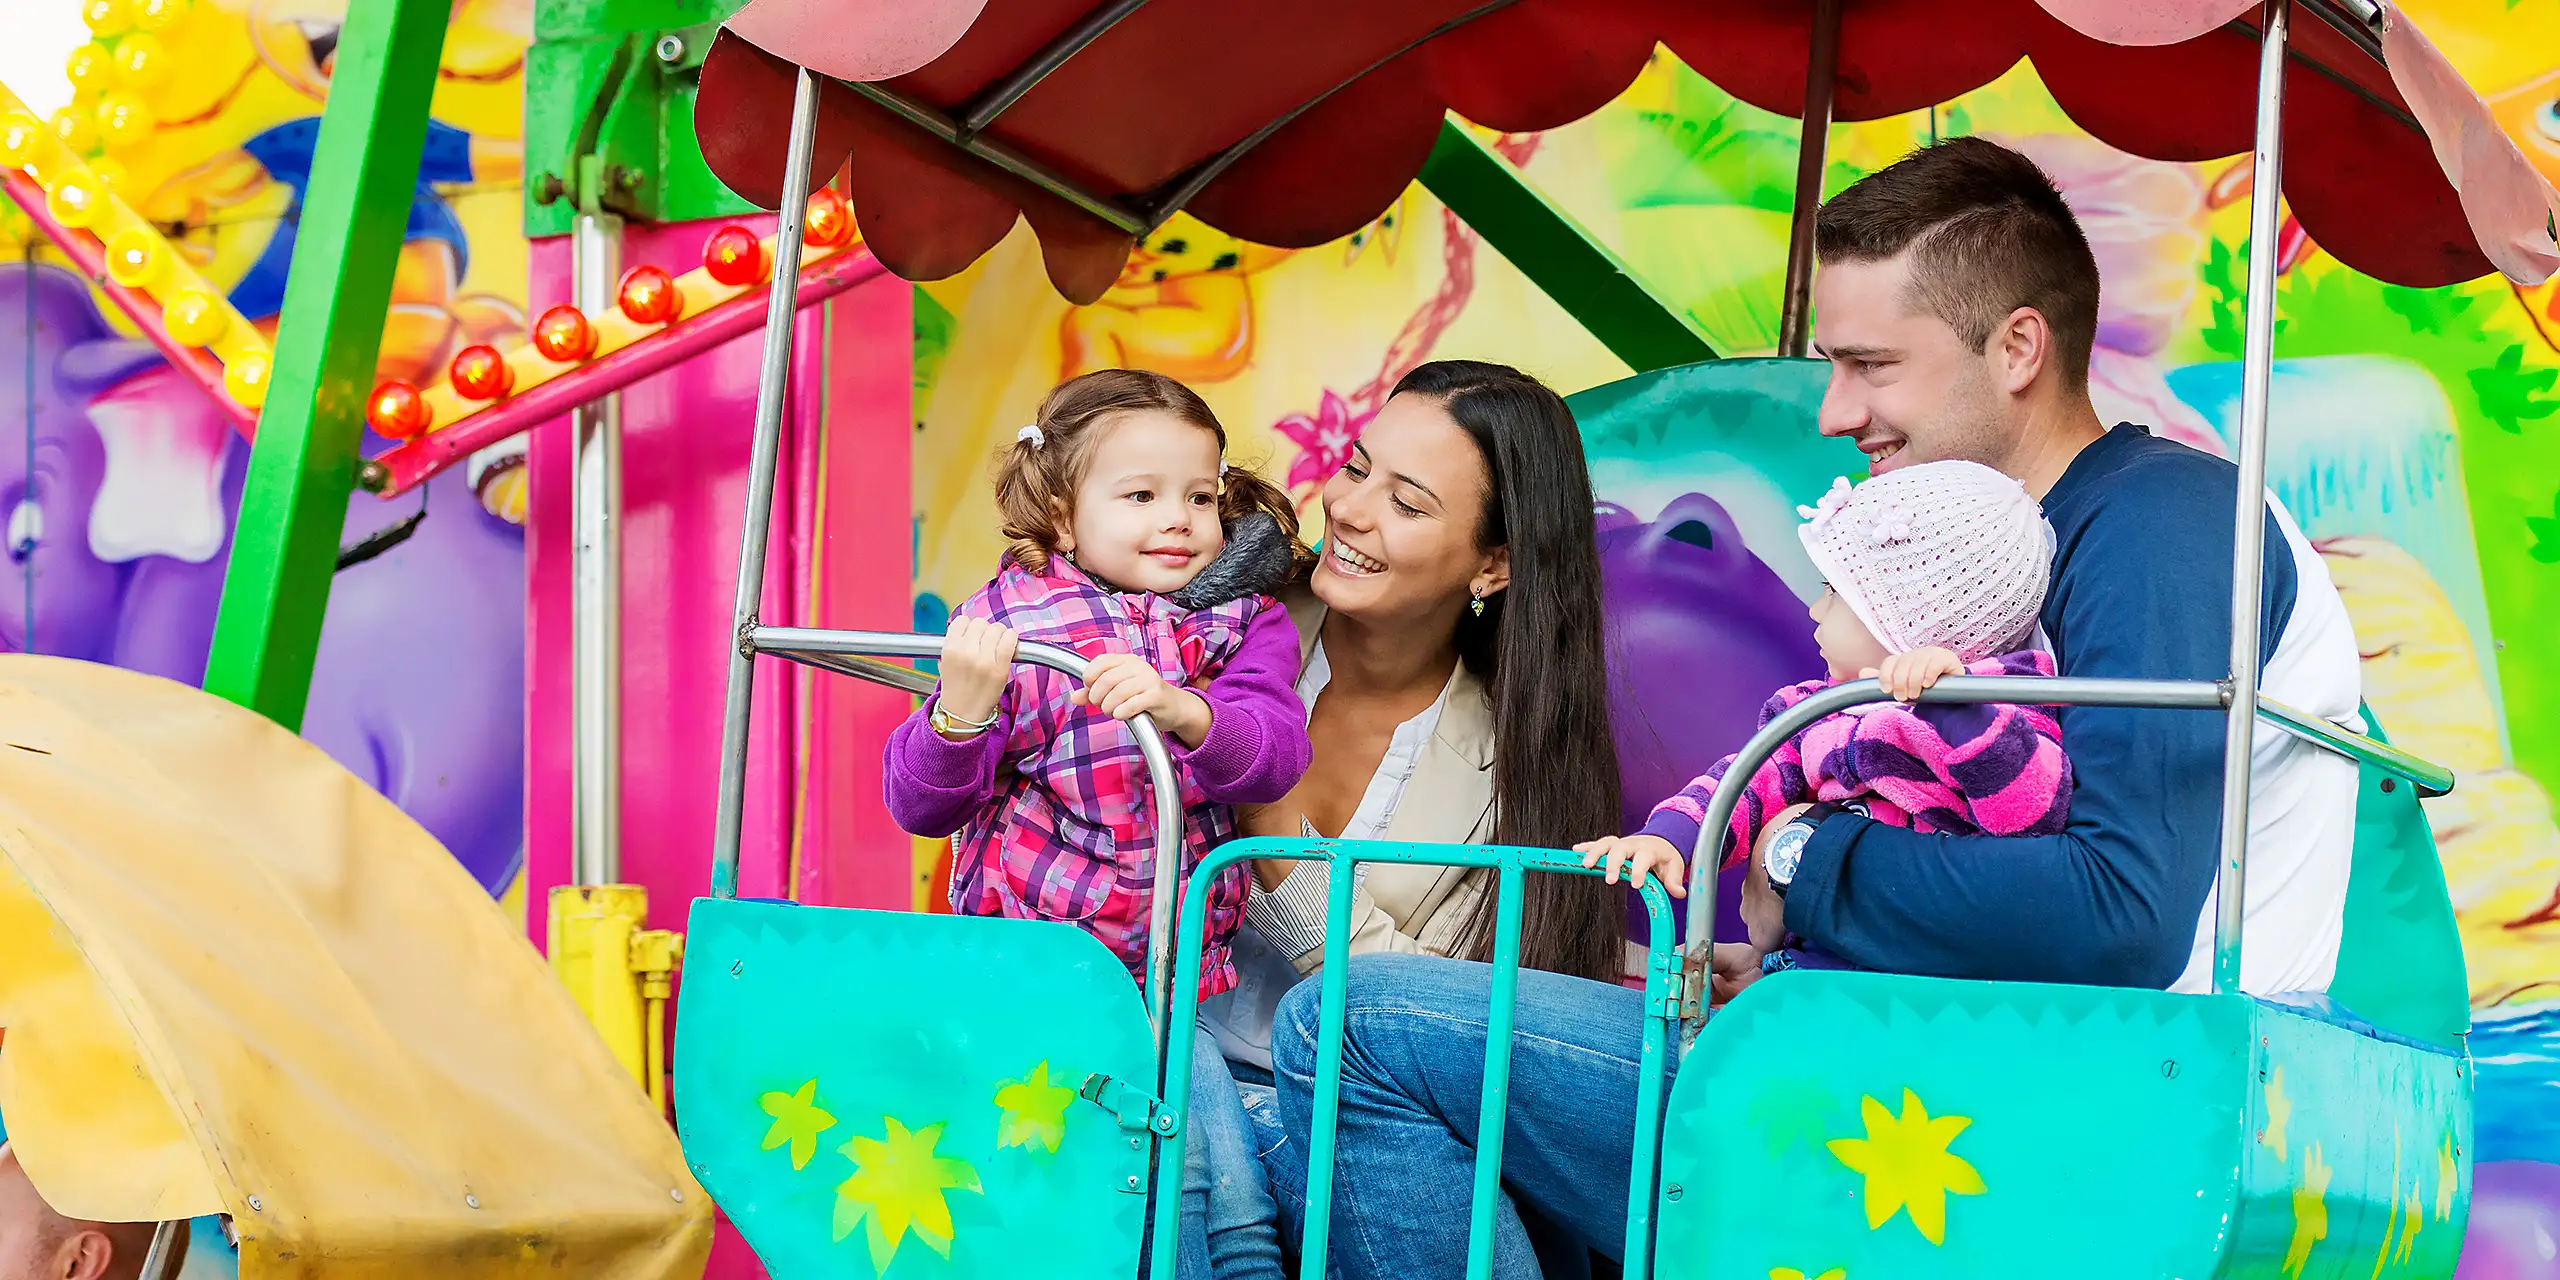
(1456, 694)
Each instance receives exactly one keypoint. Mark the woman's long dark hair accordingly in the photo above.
(1538, 649)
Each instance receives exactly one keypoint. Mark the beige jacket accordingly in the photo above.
(1449, 800)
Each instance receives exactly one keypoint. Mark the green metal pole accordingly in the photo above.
(294, 506)
(1558, 255)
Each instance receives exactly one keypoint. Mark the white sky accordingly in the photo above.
(41, 36)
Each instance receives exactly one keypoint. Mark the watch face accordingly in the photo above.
(1786, 851)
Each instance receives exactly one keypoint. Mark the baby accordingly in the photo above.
(1930, 571)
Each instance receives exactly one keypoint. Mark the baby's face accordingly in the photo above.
(1847, 646)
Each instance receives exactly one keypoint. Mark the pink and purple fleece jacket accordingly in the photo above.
(1982, 769)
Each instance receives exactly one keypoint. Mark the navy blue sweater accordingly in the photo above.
(2141, 587)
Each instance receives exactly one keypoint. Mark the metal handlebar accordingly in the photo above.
(2195, 695)
(852, 653)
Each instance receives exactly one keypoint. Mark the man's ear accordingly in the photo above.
(2020, 349)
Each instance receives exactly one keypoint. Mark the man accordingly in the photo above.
(1957, 301)
(37, 1243)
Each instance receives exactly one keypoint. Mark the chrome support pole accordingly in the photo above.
(773, 384)
(596, 597)
(2249, 508)
(1813, 151)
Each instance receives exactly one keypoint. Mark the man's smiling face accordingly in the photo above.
(1904, 384)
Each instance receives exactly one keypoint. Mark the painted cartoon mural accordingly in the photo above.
(122, 478)
(2411, 436)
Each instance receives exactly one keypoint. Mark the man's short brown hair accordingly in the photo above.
(1988, 233)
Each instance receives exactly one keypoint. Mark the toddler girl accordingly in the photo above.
(1930, 571)
(1121, 515)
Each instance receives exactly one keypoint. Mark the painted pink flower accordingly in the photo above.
(1324, 439)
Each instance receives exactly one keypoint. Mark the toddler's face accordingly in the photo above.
(1146, 516)
(1847, 646)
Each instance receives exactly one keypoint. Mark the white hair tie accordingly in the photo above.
(1030, 435)
(1225, 468)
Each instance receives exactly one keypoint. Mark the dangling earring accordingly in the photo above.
(1476, 604)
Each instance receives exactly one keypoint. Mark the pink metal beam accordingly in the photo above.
(90, 257)
(411, 464)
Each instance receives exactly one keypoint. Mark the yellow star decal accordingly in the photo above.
(896, 1188)
(1034, 1110)
(2413, 1217)
(1907, 1164)
(2447, 1175)
(2310, 1211)
(1790, 1273)
(797, 1120)
(2279, 1110)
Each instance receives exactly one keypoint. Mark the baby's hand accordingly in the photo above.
(1124, 686)
(977, 662)
(1907, 675)
(1638, 854)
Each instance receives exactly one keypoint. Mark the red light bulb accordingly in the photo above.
(563, 335)
(829, 221)
(734, 256)
(396, 411)
(480, 373)
(649, 296)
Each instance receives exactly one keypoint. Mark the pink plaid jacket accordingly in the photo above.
(1070, 833)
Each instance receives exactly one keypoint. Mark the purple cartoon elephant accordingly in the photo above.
(120, 528)
(1700, 633)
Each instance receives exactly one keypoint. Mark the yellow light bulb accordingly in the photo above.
(19, 133)
(75, 201)
(246, 378)
(135, 258)
(72, 126)
(141, 60)
(107, 17)
(124, 120)
(195, 318)
(159, 15)
(90, 68)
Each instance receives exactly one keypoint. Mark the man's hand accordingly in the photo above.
(1908, 675)
(1735, 965)
(977, 662)
(1638, 855)
(1763, 911)
(1123, 685)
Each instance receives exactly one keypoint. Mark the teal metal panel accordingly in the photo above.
(2400, 958)
(893, 1094)
(1875, 1125)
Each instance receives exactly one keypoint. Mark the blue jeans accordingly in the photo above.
(1229, 1223)
(1412, 1077)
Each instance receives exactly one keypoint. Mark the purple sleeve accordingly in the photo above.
(1256, 748)
(933, 784)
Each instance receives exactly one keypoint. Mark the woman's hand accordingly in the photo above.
(1639, 854)
(1908, 675)
(977, 663)
(1124, 685)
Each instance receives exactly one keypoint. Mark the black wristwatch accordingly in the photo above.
(1786, 849)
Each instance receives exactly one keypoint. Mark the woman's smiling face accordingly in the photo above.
(1402, 518)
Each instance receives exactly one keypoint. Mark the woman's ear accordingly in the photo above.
(1495, 575)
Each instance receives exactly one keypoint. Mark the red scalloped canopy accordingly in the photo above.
(1179, 82)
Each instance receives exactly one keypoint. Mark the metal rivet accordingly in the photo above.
(2169, 1069)
(1137, 1144)
(473, 1201)
(257, 1205)
(2390, 785)
(737, 967)
(671, 48)
(676, 1194)
(1671, 1192)
(1133, 1182)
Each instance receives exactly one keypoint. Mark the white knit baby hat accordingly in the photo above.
(1952, 554)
